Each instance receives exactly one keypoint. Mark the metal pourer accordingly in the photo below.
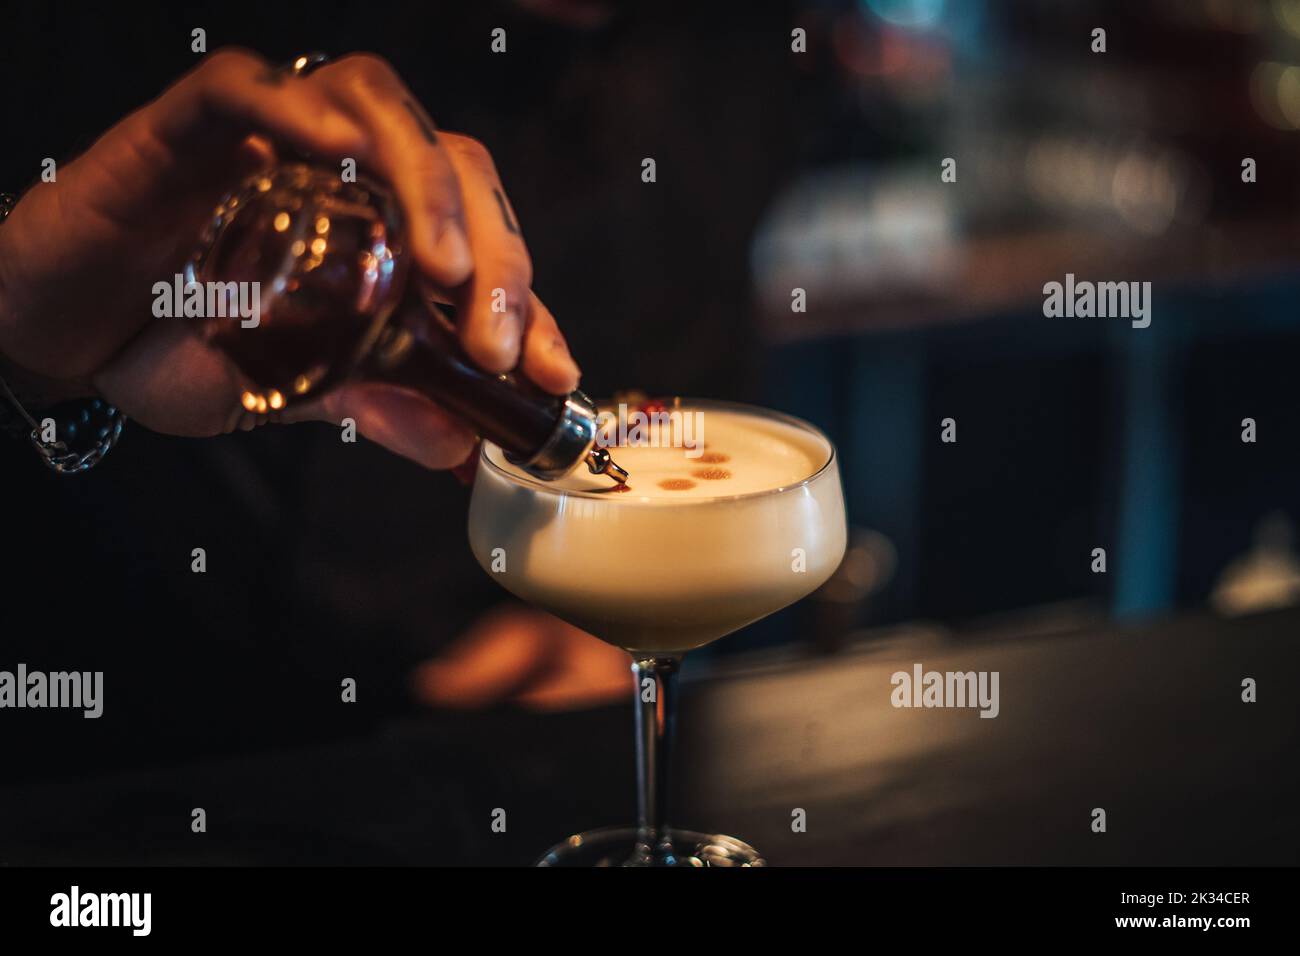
(572, 439)
(600, 463)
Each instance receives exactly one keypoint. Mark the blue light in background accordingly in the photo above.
(964, 26)
(913, 14)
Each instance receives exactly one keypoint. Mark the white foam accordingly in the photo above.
(742, 454)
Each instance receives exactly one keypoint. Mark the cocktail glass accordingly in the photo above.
(659, 577)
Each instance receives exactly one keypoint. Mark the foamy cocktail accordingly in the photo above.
(715, 528)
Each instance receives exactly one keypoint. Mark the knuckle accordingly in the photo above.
(517, 285)
(445, 205)
(543, 321)
(505, 294)
(472, 150)
(367, 67)
(512, 269)
(542, 335)
(434, 182)
(230, 59)
(423, 192)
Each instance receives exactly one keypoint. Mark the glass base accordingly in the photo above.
(619, 846)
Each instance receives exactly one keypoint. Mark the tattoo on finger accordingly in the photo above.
(426, 125)
(511, 225)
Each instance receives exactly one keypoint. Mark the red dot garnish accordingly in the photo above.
(713, 458)
(676, 484)
(711, 474)
(653, 405)
(620, 488)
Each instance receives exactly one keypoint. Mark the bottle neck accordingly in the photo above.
(419, 350)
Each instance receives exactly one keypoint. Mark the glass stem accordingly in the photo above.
(655, 703)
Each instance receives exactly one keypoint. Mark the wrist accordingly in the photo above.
(35, 388)
(74, 436)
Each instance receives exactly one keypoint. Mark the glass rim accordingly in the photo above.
(550, 488)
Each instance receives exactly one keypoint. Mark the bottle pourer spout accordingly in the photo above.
(600, 463)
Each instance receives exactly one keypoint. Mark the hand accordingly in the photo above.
(79, 257)
(521, 656)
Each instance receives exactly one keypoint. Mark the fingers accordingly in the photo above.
(587, 673)
(354, 108)
(528, 658)
(502, 653)
(494, 305)
(546, 358)
(462, 232)
(172, 382)
(238, 92)
(460, 224)
(406, 151)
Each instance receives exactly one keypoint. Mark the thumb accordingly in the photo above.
(402, 421)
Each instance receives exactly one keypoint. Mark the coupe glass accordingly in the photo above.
(659, 577)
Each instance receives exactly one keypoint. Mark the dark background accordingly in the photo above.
(925, 302)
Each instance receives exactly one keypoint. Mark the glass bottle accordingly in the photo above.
(336, 300)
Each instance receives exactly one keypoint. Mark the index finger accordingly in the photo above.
(406, 150)
(495, 302)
